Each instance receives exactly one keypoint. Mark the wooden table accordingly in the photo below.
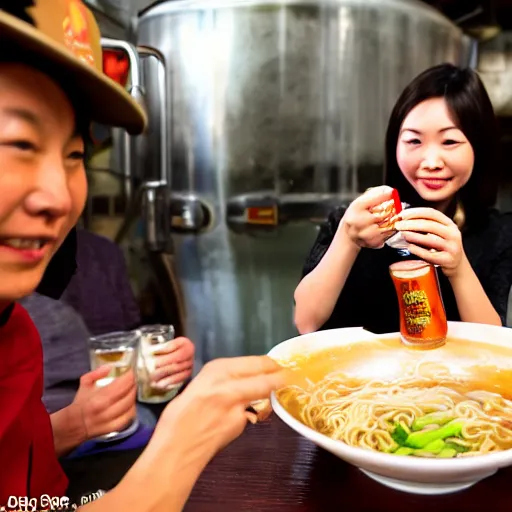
(272, 468)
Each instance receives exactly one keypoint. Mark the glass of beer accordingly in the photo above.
(153, 339)
(119, 350)
(422, 315)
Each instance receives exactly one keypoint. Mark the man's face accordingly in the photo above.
(42, 176)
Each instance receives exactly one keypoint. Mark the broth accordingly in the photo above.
(384, 396)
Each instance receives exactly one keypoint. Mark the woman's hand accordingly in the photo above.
(361, 225)
(433, 237)
(173, 363)
(334, 253)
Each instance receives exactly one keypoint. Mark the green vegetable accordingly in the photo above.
(447, 453)
(435, 446)
(437, 418)
(399, 435)
(459, 448)
(403, 450)
(422, 439)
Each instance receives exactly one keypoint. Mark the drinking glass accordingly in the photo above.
(119, 350)
(153, 339)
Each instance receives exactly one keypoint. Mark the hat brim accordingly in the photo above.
(103, 100)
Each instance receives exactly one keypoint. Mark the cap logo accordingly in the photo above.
(76, 32)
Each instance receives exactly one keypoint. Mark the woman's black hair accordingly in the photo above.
(472, 112)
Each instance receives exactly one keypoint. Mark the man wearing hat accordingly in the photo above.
(51, 88)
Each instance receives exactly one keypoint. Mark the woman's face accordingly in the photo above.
(433, 154)
(42, 176)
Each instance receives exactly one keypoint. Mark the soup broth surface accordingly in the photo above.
(384, 396)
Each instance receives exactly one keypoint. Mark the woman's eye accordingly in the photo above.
(77, 155)
(413, 142)
(450, 142)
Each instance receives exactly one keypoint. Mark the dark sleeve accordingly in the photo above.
(323, 241)
(131, 311)
(499, 282)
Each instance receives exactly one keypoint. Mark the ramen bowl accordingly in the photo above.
(481, 353)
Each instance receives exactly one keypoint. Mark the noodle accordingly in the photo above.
(400, 416)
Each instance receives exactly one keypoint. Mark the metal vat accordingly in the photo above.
(275, 112)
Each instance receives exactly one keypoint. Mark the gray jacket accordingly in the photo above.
(65, 348)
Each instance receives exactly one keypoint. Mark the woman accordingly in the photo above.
(439, 147)
(51, 86)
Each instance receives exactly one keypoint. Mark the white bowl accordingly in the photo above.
(409, 474)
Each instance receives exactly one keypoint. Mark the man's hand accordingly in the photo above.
(109, 408)
(94, 411)
(173, 363)
(207, 416)
(211, 412)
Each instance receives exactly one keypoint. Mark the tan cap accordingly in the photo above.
(65, 34)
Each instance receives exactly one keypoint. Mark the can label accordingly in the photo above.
(416, 307)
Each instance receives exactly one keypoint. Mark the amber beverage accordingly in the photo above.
(153, 339)
(422, 315)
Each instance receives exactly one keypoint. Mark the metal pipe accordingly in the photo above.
(133, 57)
(131, 215)
(165, 170)
(137, 94)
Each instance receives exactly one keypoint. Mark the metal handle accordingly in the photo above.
(137, 94)
(156, 199)
(131, 51)
(153, 196)
(155, 212)
(265, 211)
(165, 168)
(188, 213)
(253, 212)
(311, 207)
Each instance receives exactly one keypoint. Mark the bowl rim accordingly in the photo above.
(362, 456)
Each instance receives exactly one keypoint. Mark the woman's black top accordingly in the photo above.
(368, 298)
